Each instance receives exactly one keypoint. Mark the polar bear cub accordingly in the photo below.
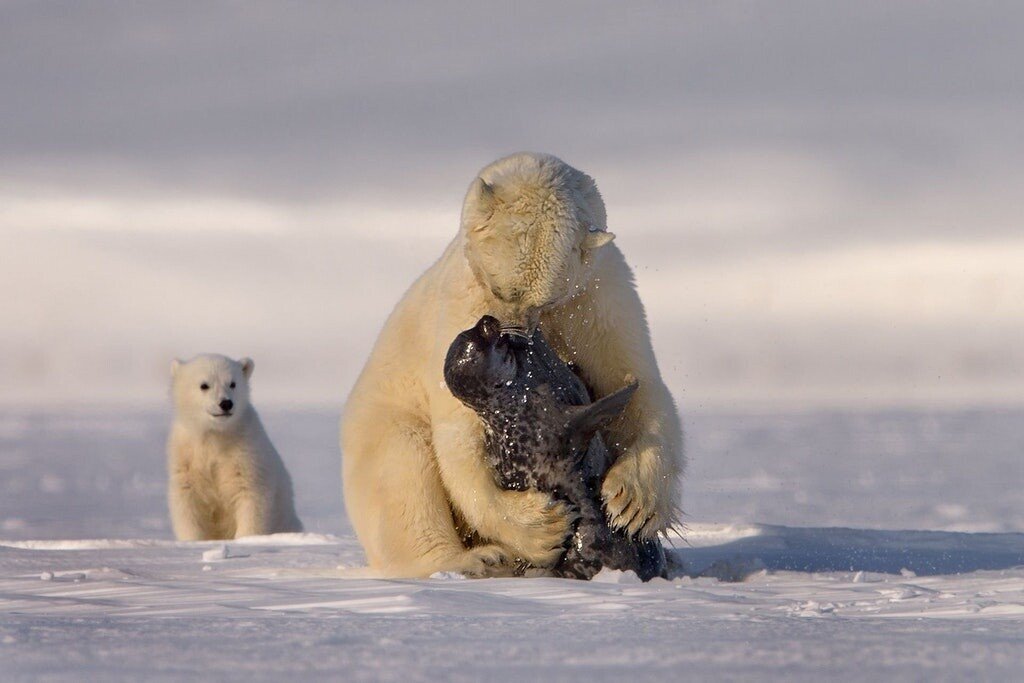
(226, 478)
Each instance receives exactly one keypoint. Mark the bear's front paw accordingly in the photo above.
(487, 561)
(631, 502)
(538, 527)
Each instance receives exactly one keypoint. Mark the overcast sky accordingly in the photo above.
(822, 202)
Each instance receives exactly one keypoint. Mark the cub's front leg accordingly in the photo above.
(186, 515)
(252, 497)
(253, 515)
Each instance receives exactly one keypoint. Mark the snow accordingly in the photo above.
(218, 553)
(831, 585)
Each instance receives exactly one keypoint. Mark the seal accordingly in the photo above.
(542, 432)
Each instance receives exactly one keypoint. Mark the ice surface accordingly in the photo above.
(831, 588)
(218, 553)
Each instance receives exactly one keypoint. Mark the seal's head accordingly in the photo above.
(479, 363)
(505, 377)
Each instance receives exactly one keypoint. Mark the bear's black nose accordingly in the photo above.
(227, 404)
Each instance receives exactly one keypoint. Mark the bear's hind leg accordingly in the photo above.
(396, 502)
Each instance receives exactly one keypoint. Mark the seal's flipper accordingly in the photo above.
(596, 460)
(585, 421)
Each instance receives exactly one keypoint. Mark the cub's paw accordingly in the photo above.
(631, 502)
(538, 527)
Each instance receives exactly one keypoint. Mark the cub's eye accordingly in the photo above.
(232, 385)
(204, 386)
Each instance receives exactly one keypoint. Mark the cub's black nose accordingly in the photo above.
(227, 404)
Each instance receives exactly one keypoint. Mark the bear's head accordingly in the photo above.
(534, 227)
(211, 391)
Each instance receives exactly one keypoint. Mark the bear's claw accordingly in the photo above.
(630, 505)
(540, 527)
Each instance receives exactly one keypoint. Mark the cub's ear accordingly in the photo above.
(597, 239)
(247, 367)
(584, 421)
(175, 365)
(480, 203)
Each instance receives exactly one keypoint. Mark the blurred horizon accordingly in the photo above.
(821, 204)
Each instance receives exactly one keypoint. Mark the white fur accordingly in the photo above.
(226, 478)
(532, 248)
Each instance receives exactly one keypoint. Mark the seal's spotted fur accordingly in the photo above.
(542, 434)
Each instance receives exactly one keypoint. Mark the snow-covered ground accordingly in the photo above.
(824, 585)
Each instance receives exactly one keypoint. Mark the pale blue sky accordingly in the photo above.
(822, 202)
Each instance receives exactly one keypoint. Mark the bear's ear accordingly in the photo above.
(247, 367)
(597, 239)
(175, 364)
(480, 199)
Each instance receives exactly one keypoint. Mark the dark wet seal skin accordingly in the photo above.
(542, 433)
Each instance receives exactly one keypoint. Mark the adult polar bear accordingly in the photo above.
(532, 249)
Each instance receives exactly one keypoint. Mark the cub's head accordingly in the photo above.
(534, 227)
(211, 390)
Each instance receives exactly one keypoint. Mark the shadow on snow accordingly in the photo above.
(779, 548)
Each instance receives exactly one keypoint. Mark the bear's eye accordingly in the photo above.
(232, 385)
(204, 386)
